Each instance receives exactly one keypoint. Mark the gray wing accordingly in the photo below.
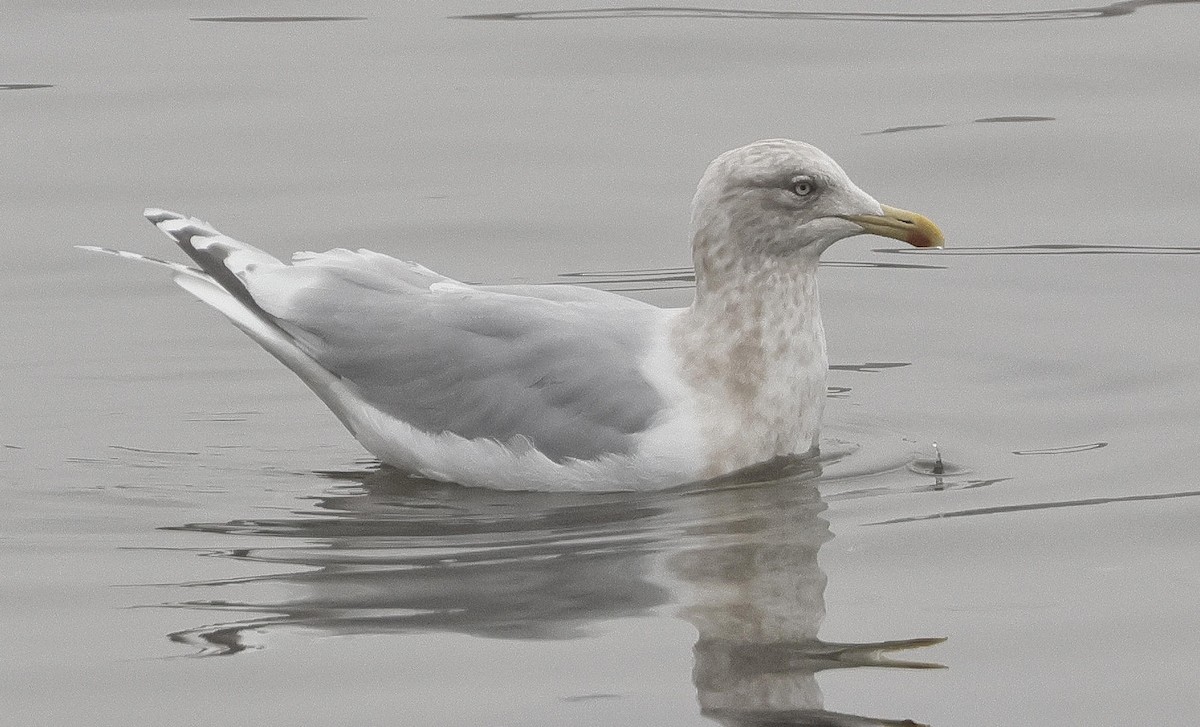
(558, 365)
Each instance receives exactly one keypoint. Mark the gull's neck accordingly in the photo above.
(752, 348)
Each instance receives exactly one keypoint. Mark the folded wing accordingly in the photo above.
(556, 367)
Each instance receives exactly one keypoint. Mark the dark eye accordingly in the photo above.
(803, 187)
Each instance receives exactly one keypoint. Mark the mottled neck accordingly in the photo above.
(754, 348)
(722, 280)
(766, 319)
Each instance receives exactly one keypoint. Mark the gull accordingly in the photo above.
(561, 387)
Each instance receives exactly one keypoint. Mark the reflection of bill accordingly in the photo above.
(403, 556)
(756, 596)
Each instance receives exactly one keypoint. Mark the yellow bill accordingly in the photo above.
(917, 230)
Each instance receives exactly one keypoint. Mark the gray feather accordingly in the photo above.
(501, 363)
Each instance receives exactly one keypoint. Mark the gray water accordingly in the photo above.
(188, 536)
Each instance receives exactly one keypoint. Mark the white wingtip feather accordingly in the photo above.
(157, 215)
(177, 267)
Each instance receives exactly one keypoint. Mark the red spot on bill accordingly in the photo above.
(917, 238)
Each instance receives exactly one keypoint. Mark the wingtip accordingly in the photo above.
(156, 215)
(98, 248)
(180, 228)
(110, 251)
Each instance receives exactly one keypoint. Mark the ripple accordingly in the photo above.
(1007, 509)
(1055, 249)
(139, 450)
(986, 120)
(897, 129)
(647, 279)
(1012, 119)
(1112, 10)
(589, 697)
(1064, 450)
(278, 18)
(870, 367)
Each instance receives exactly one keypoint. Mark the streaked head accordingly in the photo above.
(781, 197)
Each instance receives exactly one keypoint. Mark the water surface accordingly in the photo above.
(189, 536)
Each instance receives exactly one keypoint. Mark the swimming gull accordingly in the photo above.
(562, 387)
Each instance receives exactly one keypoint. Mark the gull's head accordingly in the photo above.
(781, 198)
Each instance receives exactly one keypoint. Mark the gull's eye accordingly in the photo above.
(803, 187)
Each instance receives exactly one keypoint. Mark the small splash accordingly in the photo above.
(1071, 449)
(278, 18)
(936, 466)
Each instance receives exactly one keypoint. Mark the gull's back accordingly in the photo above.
(559, 370)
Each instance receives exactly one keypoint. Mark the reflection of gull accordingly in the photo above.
(737, 557)
(562, 387)
(758, 601)
(409, 556)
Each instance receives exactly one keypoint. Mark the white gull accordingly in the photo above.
(559, 387)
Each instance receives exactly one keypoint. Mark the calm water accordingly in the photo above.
(189, 536)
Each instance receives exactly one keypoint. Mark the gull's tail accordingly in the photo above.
(219, 280)
(224, 263)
